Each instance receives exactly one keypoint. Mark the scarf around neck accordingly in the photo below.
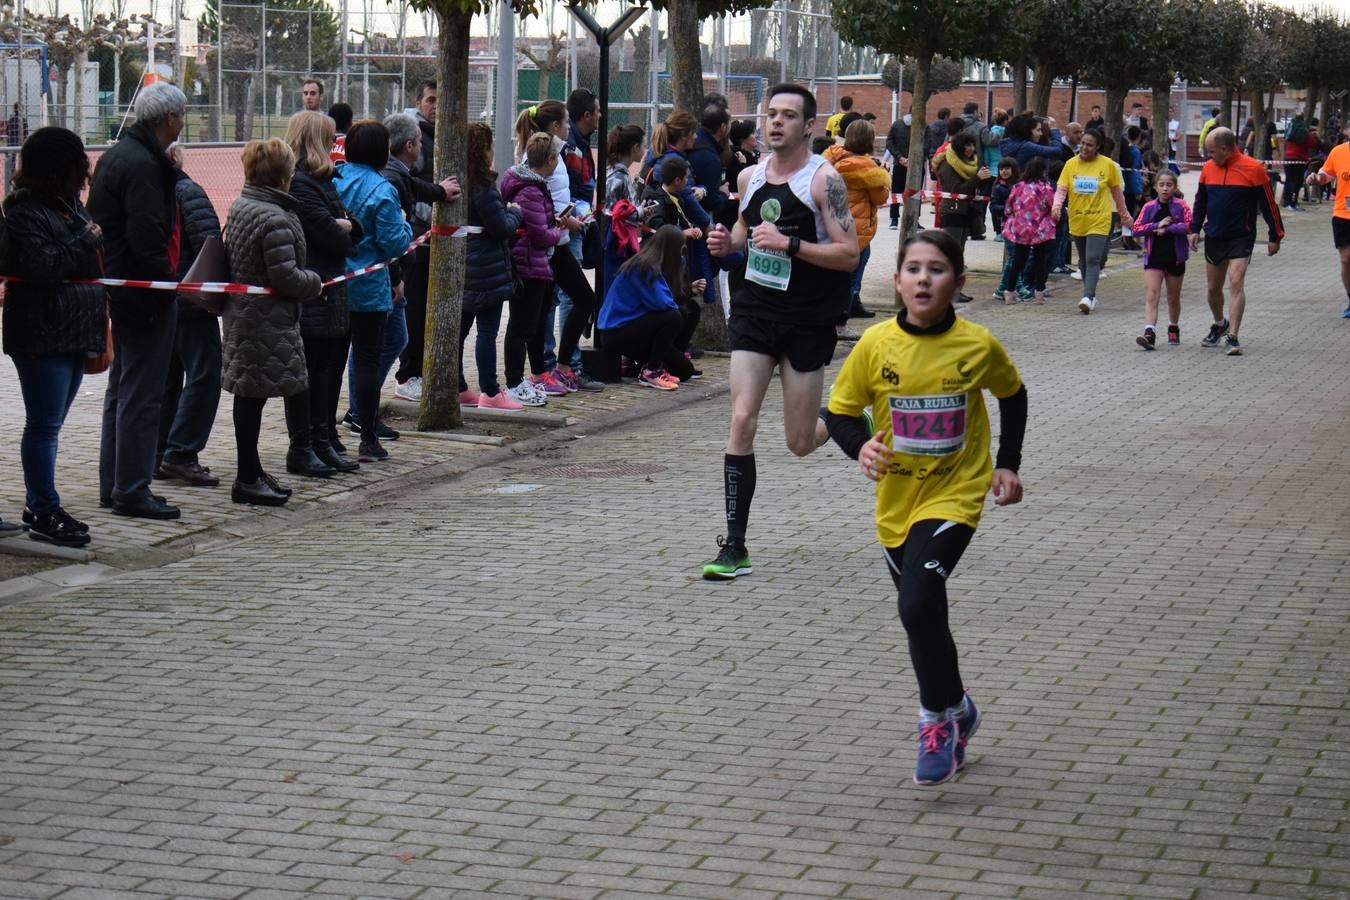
(965, 169)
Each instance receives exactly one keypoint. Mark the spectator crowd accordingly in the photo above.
(337, 195)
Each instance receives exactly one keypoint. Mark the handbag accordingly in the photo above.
(96, 365)
(211, 264)
(591, 247)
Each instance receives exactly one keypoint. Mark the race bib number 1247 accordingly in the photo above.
(933, 425)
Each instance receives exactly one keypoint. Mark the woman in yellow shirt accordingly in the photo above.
(1090, 182)
(922, 376)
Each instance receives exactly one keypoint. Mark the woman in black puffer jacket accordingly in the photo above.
(488, 277)
(51, 327)
(325, 324)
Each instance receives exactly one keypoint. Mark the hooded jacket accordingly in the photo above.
(1025, 151)
(43, 316)
(531, 251)
(385, 234)
(199, 222)
(261, 348)
(487, 264)
(869, 187)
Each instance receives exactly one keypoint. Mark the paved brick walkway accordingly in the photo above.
(513, 684)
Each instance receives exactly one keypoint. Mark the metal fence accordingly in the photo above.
(244, 69)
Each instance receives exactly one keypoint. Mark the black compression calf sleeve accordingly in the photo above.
(738, 478)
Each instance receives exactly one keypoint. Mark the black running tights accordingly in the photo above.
(920, 568)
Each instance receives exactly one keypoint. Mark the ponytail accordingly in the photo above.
(537, 118)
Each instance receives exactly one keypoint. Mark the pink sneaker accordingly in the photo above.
(658, 379)
(567, 378)
(501, 400)
(549, 385)
(469, 397)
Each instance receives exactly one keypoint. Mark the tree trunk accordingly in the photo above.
(1041, 90)
(686, 57)
(1260, 146)
(445, 288)
(1019, 86)
(1161, 118)
(77, 84)
(214, 127)
(923, 62)
(1310, 102)
(1114, 110)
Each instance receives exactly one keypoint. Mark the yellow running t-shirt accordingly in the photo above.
(1090, 202)
(925, 393)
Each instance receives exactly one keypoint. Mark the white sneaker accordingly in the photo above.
(1086, 305)
(1077, 275)
(525, 394)
(410, 390)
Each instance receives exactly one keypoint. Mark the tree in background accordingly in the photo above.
(683, 18)
(1265, 64)
(920, 30)
(945, 74)
(1119, 33)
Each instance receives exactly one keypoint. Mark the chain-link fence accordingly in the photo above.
(244, 62)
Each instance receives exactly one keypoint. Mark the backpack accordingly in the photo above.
(1298, 132)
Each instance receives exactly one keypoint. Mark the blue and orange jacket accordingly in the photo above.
(1229, 197)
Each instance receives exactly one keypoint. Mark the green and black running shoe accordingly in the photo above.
(732, 560)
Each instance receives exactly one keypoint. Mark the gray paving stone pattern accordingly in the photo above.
(514, 684)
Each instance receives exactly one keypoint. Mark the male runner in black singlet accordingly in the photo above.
(801, 246)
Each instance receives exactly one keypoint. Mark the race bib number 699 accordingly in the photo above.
(933, 425)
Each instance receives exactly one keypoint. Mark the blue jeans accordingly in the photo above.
(484, 347)
(1059, 256)
(395, 339)
(562, 308)
(49, 385)
(863, 257)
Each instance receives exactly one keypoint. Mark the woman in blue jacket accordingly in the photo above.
(641, 318)
(385, 234)
(1019, 144)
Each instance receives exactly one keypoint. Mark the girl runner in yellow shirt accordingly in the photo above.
(921, 375)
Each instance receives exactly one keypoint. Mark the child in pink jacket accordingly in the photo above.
(1030, 231)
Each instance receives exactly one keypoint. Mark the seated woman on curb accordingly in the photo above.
(641, 318)
(263, 351)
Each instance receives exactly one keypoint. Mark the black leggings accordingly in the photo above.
(248, 426)
(920, 568)
(572, 282)
(367, 342)
(650, 339)
(525, 329)
(325, 357)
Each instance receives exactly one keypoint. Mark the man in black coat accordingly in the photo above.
(192, 391)
(132, 199)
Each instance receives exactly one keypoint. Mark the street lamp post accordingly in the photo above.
(605, 37)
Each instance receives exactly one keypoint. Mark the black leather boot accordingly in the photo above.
(303, 461)
(857, 311)
(263, 492)
(329, 456)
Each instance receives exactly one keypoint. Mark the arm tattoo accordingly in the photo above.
(837, 197)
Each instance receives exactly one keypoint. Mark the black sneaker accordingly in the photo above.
(1216, 331)
(60, 529)
(191, 473)
(9, 529)
(29, 519)
(1234, 348)
(371, 451)
(384, 432)
(350, 421)
(1147, 339)
(1173, 335)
